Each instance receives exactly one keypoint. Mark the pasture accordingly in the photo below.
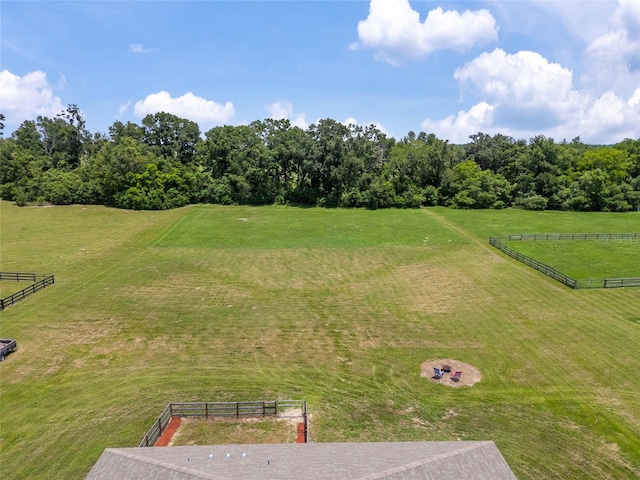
(338, 307)
(608, 258)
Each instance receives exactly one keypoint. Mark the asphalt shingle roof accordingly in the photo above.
(313, 461)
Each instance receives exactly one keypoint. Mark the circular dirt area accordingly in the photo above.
(470, 374)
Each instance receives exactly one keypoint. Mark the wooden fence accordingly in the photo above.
(275, 408)
(38, 285)
(622, 282)
(541, 267)
(573, 236)
(558, 275)
(18, 277)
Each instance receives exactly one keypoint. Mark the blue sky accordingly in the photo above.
(558, 68)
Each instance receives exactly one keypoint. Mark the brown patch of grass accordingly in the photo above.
(222, 431)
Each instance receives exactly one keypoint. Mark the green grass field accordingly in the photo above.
(338, 307)
(584, 259)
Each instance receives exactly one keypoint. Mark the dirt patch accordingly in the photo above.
(243, 430)
(470, 374)
(167, 434)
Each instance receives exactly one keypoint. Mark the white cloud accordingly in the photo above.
(458, 128)
(139, 48)
(123, 108)
(26, 97)
(610, 119)
(523, 95)
(189, 106)
(634, 101)
(350, 121)
(283, 110)
(613, 58)
(523, 87)
(628, 14)
(394, 30)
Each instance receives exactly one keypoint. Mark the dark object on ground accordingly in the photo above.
(7, 346)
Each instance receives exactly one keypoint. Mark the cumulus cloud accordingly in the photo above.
(283, 110)
(394, 30)
(458, 128)
(140, 48)
(613, 57)
(187, 106)
(524, 95)
(522, 87)
(26, 97)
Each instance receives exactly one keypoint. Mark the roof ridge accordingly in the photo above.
(430, 459)
(158, 463)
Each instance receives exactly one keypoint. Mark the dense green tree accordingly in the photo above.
(290, 150)
(616, 163)
(632, 147)
(153, 189)
(27, 137)
(330, 170)
(539, 171)
(119, 131)
(114, 163)
(169, 136)
(491, 153)
(63, 137)
(236, 158)
(466, 185)
(61, 187)
(164, 163)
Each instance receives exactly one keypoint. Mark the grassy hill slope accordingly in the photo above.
(339, 307)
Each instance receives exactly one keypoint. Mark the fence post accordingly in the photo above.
(306, 425)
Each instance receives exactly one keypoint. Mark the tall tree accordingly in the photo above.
(63, 137)
(170, 136)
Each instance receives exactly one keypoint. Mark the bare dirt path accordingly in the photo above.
(470, 374)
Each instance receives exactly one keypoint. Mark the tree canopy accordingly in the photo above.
(166, 162)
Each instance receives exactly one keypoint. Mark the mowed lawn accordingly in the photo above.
(608, 258)
(338, 307)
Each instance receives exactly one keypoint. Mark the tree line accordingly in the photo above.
(166, 163)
